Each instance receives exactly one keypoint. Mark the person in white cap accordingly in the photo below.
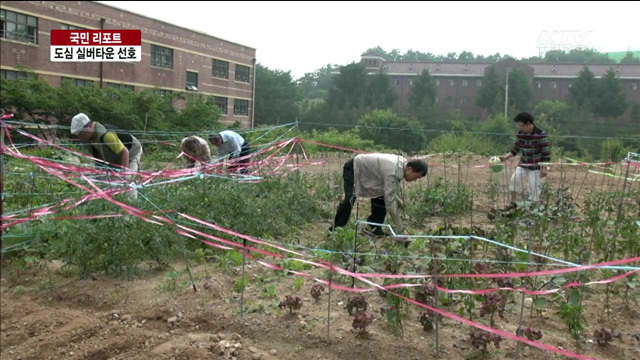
(107, 144)
(196, 149)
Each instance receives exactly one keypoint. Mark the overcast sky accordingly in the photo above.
(305, 36)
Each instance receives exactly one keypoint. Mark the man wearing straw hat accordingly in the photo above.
(533, 146)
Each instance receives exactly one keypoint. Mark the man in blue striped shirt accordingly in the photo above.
(533, 146)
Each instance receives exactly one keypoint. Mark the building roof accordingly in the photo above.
(572, 70)
(477, 69)
(435, 68)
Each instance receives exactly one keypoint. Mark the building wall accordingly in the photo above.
(463, 98)
(192, 51)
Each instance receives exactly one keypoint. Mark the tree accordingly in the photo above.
(316, 85)
(387, 129)
(519, 90)
(277, 96)
(379, 93)
(34, 100)
(635, 113)
(489, 94)
(611, 100)
(577, 56)
(349, 87)
(465, 56)
(629, 59)
(583, 94)
(423, 91)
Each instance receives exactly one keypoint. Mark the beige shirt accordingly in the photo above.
(378, 175)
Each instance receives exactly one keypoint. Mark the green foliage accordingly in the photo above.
(439, 198)
(316, 85)
(488, 96)
(611, 100)
(240, 284)
(297, 283)
(520, 94)
(201, 113)
(463, 143)
(380, 94)
(418, 56)
(500, 131)
(171, 283)
(630, 59)
(423, 91)
(613, 150)
(35, 99)
(584, 92)
(349, 87)
(350, 139)
(573, 316)
(577, 56)
(635, 113)
(277, 96)
(386, 128)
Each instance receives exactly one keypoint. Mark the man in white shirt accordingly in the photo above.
(231, 143)
(377, 177)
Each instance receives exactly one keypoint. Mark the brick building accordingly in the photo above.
(458, 83)
(174, 59)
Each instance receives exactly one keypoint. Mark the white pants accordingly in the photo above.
(532, 177)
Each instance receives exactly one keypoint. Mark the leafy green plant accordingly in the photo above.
(297, 283)
(240, 284)
(270, 292)
(573, 316)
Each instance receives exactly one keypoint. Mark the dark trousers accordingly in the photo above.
(378, 208)
(239, 166)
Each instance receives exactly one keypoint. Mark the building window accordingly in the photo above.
(410, 82)
(70, 27)
(538, 84)
(161, 56)
(20, 27)
(242, 73)
(465, 83)
(452, 83)
(192, 81)
(463, 100)
(569, 85)
(15, 75)
(220, 69)
(120, 86)
(397, 82)
(478, 83)
(554, 85)
(78, 82)
(437, 82)
(240, 107)
(222, 102)
(634, 86)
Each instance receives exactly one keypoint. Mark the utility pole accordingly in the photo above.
(506, 95)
